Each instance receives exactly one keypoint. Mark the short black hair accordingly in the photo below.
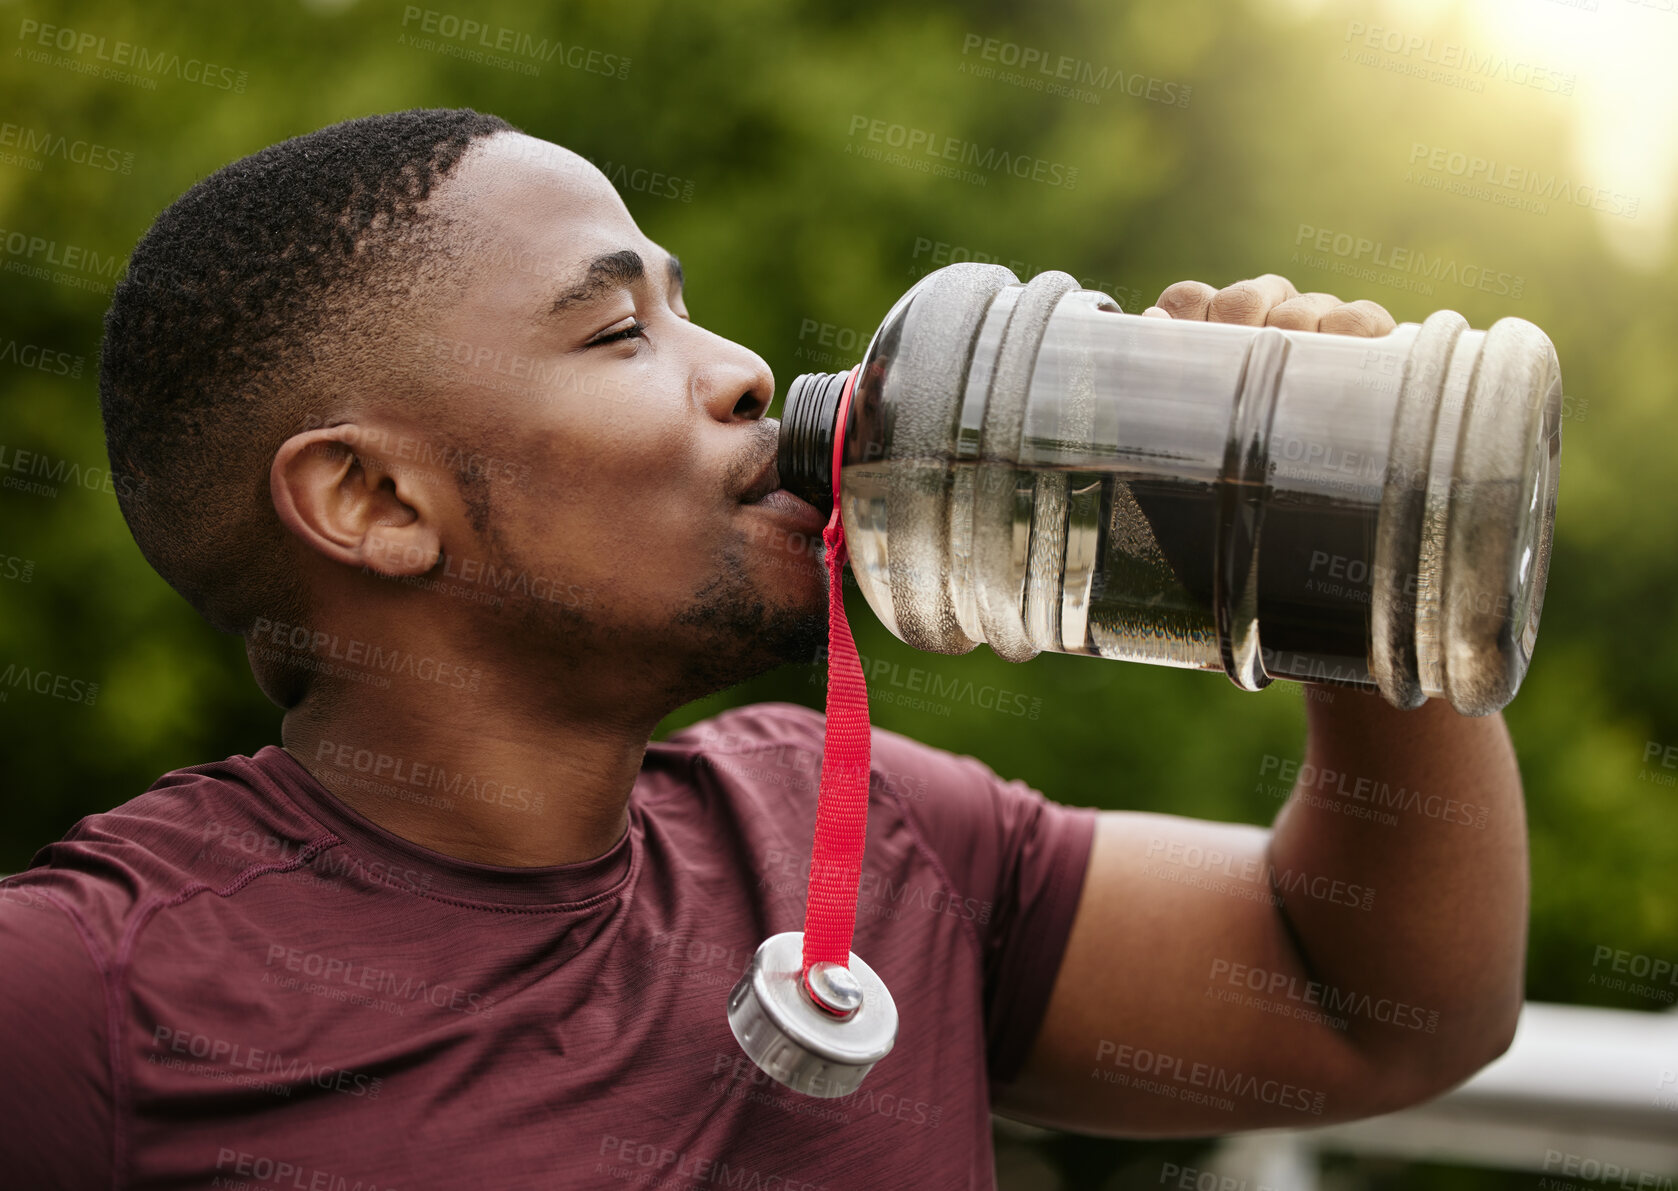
(243, 310)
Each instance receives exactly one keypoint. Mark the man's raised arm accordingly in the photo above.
(1363, 954)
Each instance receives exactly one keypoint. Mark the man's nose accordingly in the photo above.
(734, 384)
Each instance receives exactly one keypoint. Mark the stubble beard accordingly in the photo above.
(740, 631)
(728, 630)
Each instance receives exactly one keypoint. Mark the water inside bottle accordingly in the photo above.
(1113, 564)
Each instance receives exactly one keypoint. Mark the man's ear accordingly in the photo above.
(334, 490)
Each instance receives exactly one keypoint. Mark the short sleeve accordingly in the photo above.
(1020, 856)
(55, 1087)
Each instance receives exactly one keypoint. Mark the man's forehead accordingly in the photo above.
(542, 221)
(517, 155)
(529, 200)
(523, 184)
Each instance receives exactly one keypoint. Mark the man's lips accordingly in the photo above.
(793, 508)
(767, 479)
(765, 490)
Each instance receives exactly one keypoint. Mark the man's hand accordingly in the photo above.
(1365, 953)
(1271, 301)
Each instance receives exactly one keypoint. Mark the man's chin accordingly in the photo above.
(749, 619)
(732, 648)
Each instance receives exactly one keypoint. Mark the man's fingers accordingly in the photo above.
(1272, 301)
(1186, 299)
(1363, 317)
(1249, 303)
(1302, 313)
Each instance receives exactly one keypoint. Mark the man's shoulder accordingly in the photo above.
(759, 729)
(203, 827)
(771, 722)
(779, 745)
(751, 725)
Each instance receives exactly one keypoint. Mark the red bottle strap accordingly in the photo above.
(842, 801)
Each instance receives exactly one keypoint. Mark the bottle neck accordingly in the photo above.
(809, 422)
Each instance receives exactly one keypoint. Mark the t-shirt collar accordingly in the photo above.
(418, 869)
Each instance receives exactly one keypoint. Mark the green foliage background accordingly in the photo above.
(751, 103)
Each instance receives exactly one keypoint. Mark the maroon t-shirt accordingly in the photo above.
(236, 981)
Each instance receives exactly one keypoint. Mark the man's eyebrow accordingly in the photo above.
(609, 271)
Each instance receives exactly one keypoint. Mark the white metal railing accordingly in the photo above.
(1588, 1096)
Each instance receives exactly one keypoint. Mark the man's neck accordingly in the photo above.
(501, 787)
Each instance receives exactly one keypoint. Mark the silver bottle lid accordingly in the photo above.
(819, 1038)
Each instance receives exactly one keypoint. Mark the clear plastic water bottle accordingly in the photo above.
(1028, 466)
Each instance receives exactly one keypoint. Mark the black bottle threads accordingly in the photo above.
(804, 455)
